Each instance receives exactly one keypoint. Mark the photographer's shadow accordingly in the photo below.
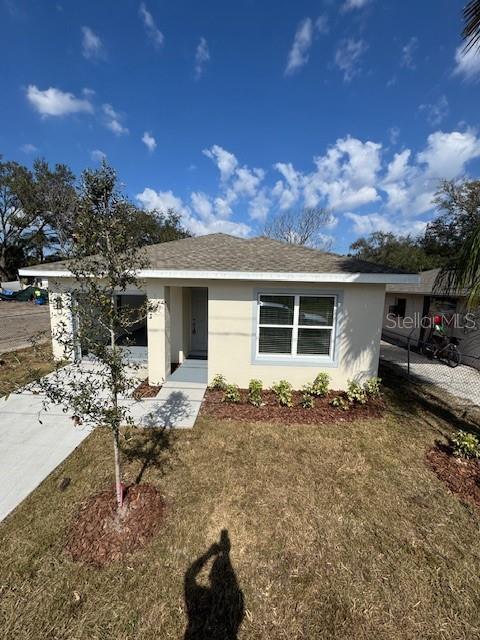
(215, 612)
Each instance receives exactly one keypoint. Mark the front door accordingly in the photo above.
(199, 325)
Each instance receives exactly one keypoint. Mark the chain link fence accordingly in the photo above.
(462, 381)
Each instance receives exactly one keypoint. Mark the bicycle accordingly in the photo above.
(448, 352)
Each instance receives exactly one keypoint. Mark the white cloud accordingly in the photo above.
(149, 141)
(259, 206)
(446, 154)
(371, 222)
(299, 52)
(54, 102)
(352, 177)
(201, 204)
(436, 112)
(225, 161)
(97, 155)
(206, 222)
(467, 63)
(348, 5)
(153, 32)
(29, 148)
(322, 24)
(287, 191)
(394, 133)
(113, 120)
(408, 53)
(202, 56)
(161, 200)
(92, 46)
(348, 55)
(247, 181)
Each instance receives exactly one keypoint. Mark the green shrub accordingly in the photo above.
(466, 445)
(321, 384)
(283, 391)
(308, 401)
(219, 382)
(339, 402)
(232, 394)
(372, 387)
(356, 393)
(255, 389)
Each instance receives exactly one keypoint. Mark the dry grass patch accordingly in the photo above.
(17, 368)
(336, 531)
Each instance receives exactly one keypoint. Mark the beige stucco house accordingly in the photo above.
(253, 308)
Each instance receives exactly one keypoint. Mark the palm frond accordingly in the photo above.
(471, 31)
(462, 275)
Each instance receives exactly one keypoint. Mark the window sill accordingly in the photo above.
(282, 361)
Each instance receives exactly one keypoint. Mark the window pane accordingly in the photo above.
(316, 311)
(276, 309)
(314, 341)
(275, 340)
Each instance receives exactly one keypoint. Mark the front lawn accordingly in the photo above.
(17, 368)
(336, 531)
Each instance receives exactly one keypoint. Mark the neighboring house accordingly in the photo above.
(404, 302)
(254, 308)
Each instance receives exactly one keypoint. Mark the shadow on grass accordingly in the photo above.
(215, 612)
(152, 448)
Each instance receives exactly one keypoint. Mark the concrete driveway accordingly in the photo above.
(20, 322)
(30, 450)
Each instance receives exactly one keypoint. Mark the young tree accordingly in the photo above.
(300, 227)
(104, 262)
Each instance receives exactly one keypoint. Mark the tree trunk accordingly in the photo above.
(116, 425)
(118, 469)
(3, 265)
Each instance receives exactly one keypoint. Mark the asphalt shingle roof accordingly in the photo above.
(222, 252)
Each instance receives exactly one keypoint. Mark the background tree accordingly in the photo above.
(399, 252)
(459, 207)
(300, 227)
(104, 261)
(15, 224)
(152, 227)
(35, 207)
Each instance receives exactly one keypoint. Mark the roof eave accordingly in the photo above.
(182, 274)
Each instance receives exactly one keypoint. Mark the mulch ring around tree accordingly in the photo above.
(100, 534)
(146, 390)
(323, 412)
(461, 476)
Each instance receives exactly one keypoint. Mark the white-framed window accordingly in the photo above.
(296, 325)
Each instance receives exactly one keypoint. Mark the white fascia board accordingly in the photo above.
(362, 278)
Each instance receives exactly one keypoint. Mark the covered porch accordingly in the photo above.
(177, 330)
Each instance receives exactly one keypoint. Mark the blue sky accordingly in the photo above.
(231, 111)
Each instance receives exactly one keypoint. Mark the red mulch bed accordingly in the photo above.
(461, 476)
(145, 390)
(323, 412)
(100, 534)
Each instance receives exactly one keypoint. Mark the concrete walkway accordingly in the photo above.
(178, 402)
(31, 450)
(462, 382)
